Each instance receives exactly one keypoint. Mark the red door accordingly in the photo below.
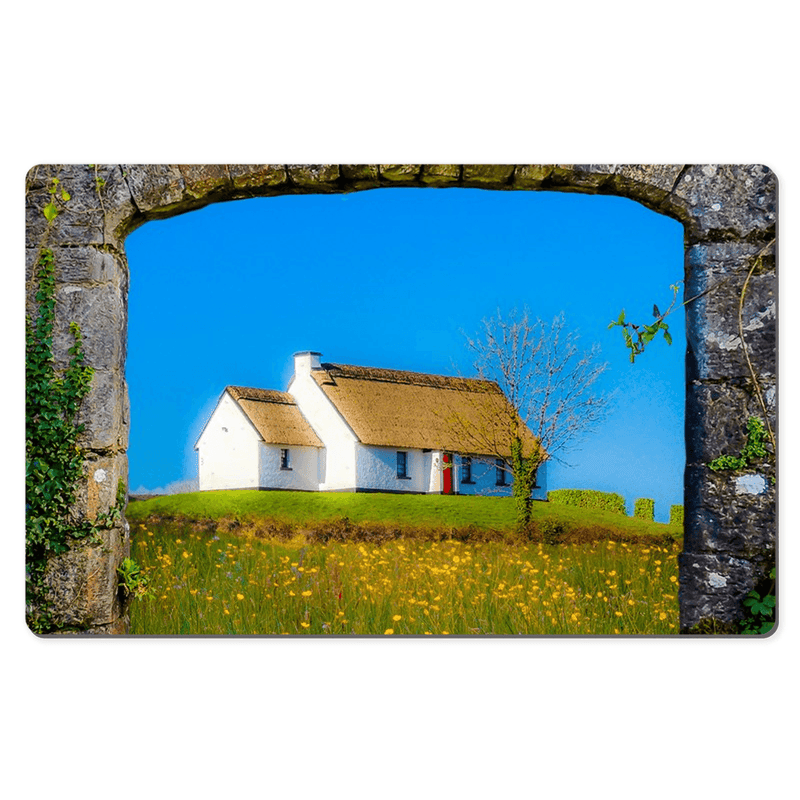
(447, 474)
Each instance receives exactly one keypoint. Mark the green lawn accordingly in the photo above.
(443, 512)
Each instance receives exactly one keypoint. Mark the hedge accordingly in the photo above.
(676, 515)
(644, 508)
(588, 498)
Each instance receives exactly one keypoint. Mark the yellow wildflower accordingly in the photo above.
(388, 632)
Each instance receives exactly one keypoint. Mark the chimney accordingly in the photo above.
(305, 361)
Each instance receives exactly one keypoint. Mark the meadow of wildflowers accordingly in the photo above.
(216, 582)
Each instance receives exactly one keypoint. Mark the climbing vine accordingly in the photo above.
(638, 336)
(753, 450)
(53, 458)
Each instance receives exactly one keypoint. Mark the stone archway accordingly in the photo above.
(729, 214)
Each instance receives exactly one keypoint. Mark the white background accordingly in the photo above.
(573, 82)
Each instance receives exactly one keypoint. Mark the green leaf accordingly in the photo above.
(621, 319)
(667, 337)
(50, 211)
(65, 195)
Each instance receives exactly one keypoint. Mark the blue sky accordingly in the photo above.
(391, 278)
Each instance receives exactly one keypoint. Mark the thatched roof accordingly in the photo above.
(401, 409)
(275, 416)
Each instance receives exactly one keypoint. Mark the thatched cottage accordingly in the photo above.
(346, 428)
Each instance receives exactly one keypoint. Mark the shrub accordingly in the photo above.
(588, 498)
(552, 532)
(676, 515)
(644, 508)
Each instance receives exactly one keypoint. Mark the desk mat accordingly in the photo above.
(541, 400)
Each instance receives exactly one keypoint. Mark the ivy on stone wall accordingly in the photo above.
(53, 458)
(754, 449)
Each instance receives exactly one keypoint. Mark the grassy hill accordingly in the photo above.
(442, 514)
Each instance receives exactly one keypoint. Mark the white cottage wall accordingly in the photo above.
(303, 471)
(338, 472)
(484, 477)
(228, 449)
(431, 466)
(376, 469)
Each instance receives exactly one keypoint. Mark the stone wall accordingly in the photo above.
(729, 215)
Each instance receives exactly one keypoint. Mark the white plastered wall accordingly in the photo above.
(338, 467)
(303, 472)
(228, 449)
(376, 468)
(484, 478)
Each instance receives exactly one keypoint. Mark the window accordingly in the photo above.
(402, 465)
(466, 470)
(285, 459)
(500, 472)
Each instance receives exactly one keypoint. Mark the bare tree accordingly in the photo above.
(549, 383)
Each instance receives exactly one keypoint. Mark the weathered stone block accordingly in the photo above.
(731, 201)
(487, 175)
(531, 176)
(314, 176)
(104, 412)
(98, 490)
(716, 418)
(730, 512)
(441, 174)
(580, 177)
(125, 423)
(399, 173)
(712, 587)
(81, 265)
(82, 583)
(155, 186)
(716, 275)
(360, 176)
(202, 180)
(648, 184)
(256, 176)
(101, 314)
